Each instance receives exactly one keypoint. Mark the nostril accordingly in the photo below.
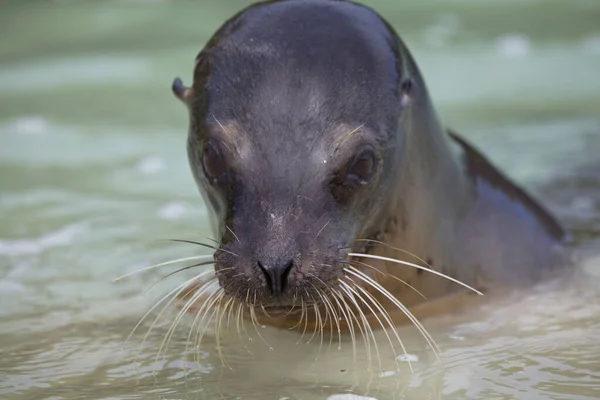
(285, 274)
(276, 276)
(268, 276)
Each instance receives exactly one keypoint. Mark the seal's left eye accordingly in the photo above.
(363, 168)
(213, 164)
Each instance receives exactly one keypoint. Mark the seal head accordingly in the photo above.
(312, 129)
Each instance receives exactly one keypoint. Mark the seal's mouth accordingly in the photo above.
(281, 311)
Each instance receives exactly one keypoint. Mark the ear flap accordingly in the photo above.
(407, 91)
(181, 91)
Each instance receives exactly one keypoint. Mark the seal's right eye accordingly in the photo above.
(213, 164)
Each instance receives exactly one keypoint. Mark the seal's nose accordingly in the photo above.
(276, 276)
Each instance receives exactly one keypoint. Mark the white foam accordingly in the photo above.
(349, 397)
(439, 33)
(513, 45)
(28, 125)
(64, 72)
(151, 165)
(11, 287)
(61, 237)
(407, 358)
(173, 210)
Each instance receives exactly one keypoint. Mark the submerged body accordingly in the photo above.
(315, 144)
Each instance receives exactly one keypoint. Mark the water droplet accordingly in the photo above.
(408, 357)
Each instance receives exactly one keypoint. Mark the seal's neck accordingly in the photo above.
(432, 185)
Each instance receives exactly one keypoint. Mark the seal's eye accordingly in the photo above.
(213, 164)
(362, 169)
(357, 173)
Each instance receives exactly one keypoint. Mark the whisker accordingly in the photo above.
(255, 323)
(328, 303)
(160, 265)
(180, 270)
(387, 317)
(378, 242)
(232, 300)
(316, 324)
(320, 324)
(335, 317)
(321, 230)
(215, 241)
(374, 313)
(199, 317)
(211, 303)
(218, 332)
(200, 336)
(180, 314)
(233, 233)
(415, 266)
(327, 316)
(237, 321)
(337, 298)
(398, 304)
(201, 244)
(302, 309)
(305, 315)
(366, 323)
(352, 262)
(244, 327)
(175, 292)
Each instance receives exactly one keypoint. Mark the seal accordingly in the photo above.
(334, 188)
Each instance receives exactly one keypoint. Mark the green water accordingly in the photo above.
(93, 170)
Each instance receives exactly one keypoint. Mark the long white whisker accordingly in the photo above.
(316, 322)
(345, 287)
(233, 233)
(375, 257)
(161, 265)
(335, 317)
(386, 274)
(255, 324)
(327, 316)
(337, 297)
(175, 292)
(199, 335)
(180, 314)
(385, 315)
(398, 304)
(397, 249)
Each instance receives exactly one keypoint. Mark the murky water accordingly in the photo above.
(93, 171)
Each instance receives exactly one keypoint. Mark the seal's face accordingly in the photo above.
(293, 149)
(288, 214)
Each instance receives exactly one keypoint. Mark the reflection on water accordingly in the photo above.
(93, 171)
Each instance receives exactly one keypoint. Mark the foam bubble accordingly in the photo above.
(407, 358)
(61, 237)
(151, 165)
(173, 210)
(28, 125)
(513, 45)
